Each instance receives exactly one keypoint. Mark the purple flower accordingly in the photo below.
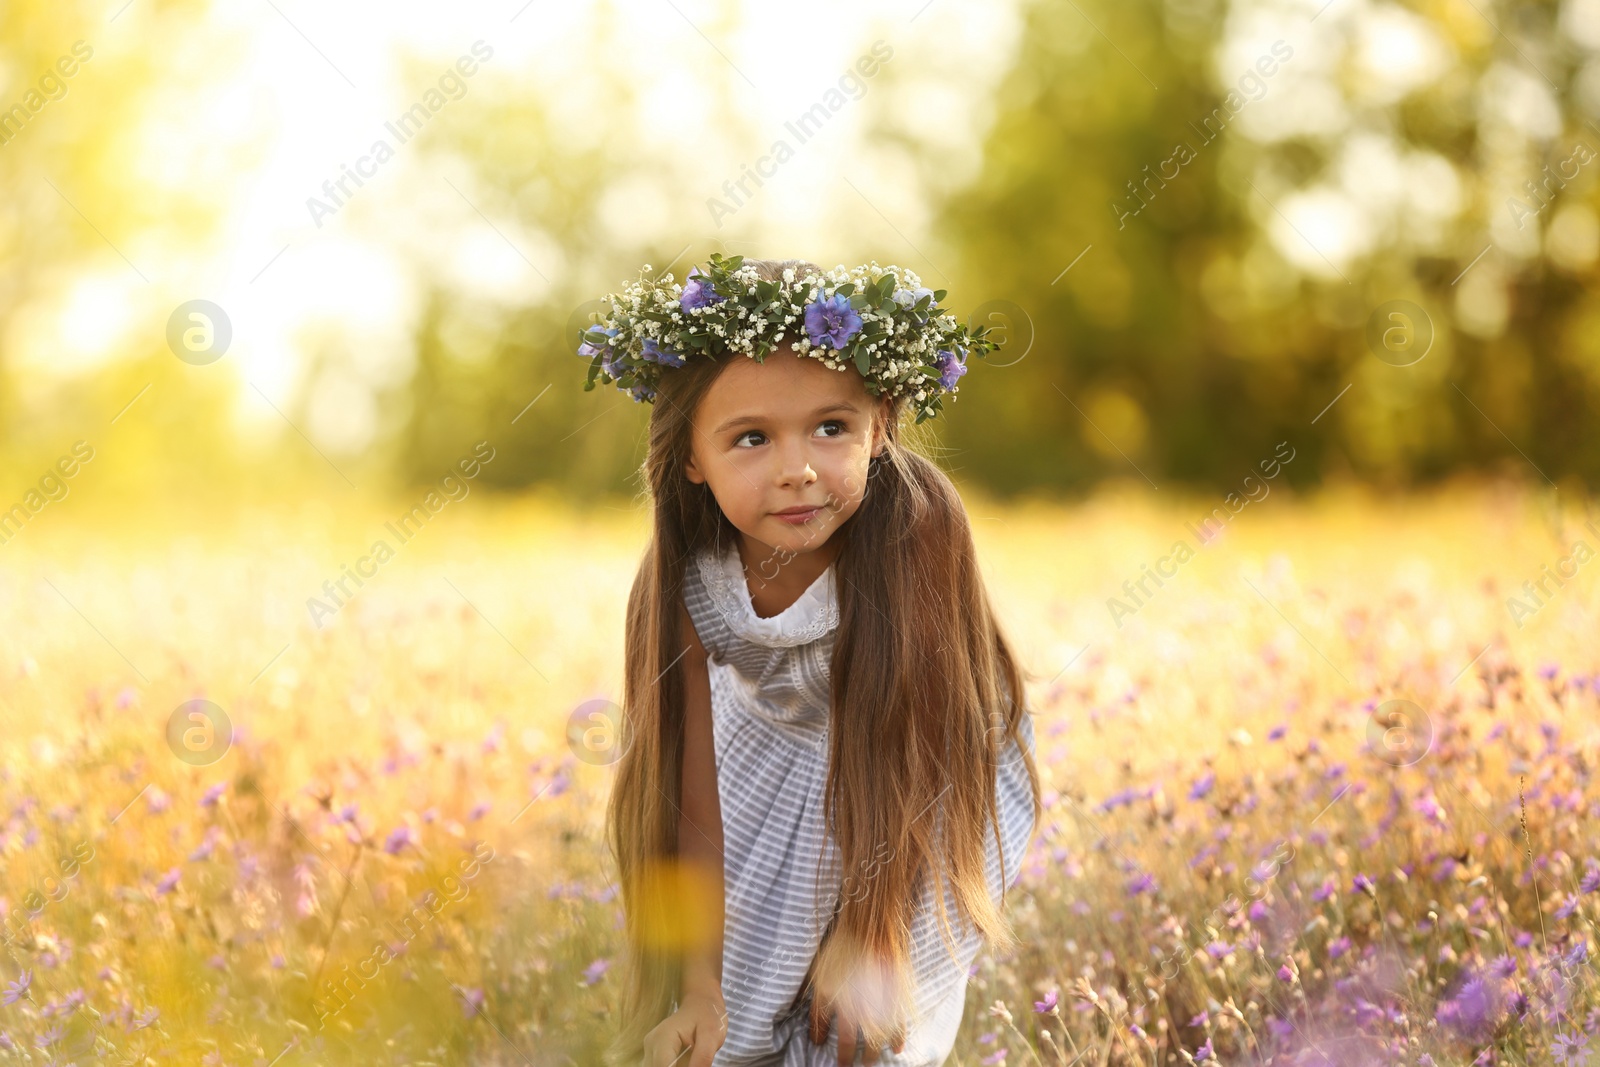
(399, 839)
(18, 989)
(1204, 1052)
(1201, 1019)
(1285, 974)
(210, 796)
(1047, 1005)
(832, 320)
(664, 356)
(951, 368)
(1338, 947)
(471, 1001)
(641, 393)
(1473, 1012)
(1141, 883)
(1277, 732)
(997, 1056)
(1571, 1050)
(168, 882)
(1363, 884)
(698, 292)
(1591, 879)
(1202, 785)
(592, 973)
(588, 350)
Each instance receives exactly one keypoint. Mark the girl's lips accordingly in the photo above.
(796, 517)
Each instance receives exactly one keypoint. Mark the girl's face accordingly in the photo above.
(782, 434)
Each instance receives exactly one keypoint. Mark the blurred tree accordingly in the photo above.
(1246, 186)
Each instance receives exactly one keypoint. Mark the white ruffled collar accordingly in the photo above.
(811, 616)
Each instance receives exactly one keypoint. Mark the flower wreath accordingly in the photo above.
(881, 319)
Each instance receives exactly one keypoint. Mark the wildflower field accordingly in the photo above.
(1321, 792)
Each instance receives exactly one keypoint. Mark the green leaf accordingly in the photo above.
(863, 360)
(845, 290)
(938, 295)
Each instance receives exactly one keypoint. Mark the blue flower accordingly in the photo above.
(588, 350)
(832, 320)
(642, 392)
(951, 368)
(698, 292)
(657, 354)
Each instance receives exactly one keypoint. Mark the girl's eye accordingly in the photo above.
(826, 422)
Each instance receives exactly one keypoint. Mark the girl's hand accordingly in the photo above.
(820, 1022)
(698, 1027)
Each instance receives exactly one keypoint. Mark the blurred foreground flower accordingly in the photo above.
(18, 989)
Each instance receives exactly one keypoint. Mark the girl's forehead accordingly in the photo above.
(783, 384)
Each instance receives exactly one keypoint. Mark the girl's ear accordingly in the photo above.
(693, 471)
(880, 425)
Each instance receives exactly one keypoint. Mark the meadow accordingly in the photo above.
(1325, 797)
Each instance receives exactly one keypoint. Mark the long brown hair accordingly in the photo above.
(920, 711)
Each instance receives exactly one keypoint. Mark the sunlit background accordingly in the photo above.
(1353, 242)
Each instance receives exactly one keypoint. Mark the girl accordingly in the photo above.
(819, 724)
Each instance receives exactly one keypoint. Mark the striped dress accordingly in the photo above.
(769, 711)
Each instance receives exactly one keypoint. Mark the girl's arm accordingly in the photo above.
(700, 819)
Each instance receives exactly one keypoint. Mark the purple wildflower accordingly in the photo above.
(1363, 884)
(1474, 1011)
(399, 839)
(471, 1001)
(1047, 1005)
(951, 368)
(1202, 785)
(655, 353)
(1571, 1050)
(592, 973)
(831, 319)
(209, 798)
(1204, 1052)
(588, 349)
(697, 293)
(1338, 947)
(1591, 878)
(168, 882)
(997, 1056)
(18, 989)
